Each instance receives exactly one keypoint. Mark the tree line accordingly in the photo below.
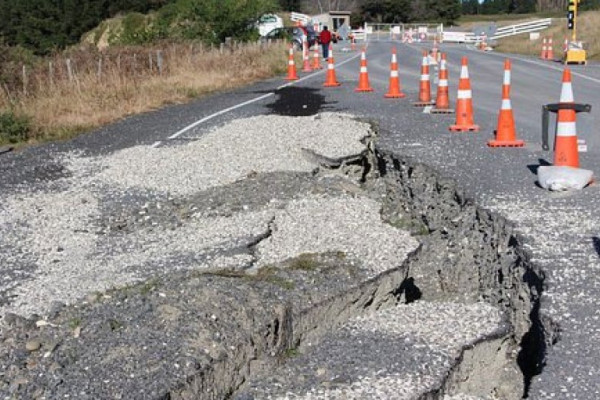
(43, 26)
(47, 25)
(523, 6)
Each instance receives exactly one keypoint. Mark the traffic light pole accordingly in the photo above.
(575, 20)
(575, 53)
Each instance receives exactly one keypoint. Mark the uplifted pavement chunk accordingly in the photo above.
(403, 352)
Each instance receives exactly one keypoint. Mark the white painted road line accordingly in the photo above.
(195, 124)
(245, 103)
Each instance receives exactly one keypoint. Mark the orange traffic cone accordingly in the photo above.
(543, 55)
(317, 58)
(506, 135)
(550, 50)
(292, 75)
(566, 151)
(483, 43)
(424, 84)
(305, 59)
(464, 102)
(363, 78)
(442, 102)
(331, 80)
(394, 90)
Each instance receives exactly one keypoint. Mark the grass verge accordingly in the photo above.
(60, 106)
(588, 31)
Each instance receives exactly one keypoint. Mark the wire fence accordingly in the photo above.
(128, 63)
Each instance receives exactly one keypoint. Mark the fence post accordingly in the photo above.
(69, 70)
(159, 61)
(100, 68)
(51, 72)
(119, 62)
(25, 80)
(150, 60)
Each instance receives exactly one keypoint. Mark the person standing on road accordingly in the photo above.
(325, 39)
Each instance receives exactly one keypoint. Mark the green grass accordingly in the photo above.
(74, 323)
(14, 128)
(291, 353)
(304, 262)
(506, 17)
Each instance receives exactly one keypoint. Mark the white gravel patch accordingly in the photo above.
(390, 387)
(463, 324)
(71, 263)
(323, 224)
(53, 233)
(462, 396)
(229, 153)
(418, 324)
(559, 239)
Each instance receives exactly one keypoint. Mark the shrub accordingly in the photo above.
(13, 128)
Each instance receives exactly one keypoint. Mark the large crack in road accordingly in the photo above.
(276, 257)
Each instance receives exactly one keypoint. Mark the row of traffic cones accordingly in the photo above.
(547, 49)
(566, 146)
(292, 73)
(505, 132)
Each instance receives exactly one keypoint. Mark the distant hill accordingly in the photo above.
(43, 25)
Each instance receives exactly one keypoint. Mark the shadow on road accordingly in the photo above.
(596, 243)
(534, 167)
(298, 101)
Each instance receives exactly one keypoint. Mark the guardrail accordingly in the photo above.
(502, 32)
(525, 27)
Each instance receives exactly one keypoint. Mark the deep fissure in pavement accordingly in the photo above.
(466, 254)
(484, 256)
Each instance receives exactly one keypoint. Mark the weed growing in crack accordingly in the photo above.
(304, 262)
(74, 323)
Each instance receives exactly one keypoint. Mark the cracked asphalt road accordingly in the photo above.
(561, 229)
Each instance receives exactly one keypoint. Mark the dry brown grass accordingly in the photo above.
(588, 31)
(61, 107)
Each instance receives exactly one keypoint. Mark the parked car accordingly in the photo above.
(292, 34)
(268, 22)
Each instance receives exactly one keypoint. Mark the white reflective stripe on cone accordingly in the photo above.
(506, 104)
(290, 62)
(424, 77)
(464, 72)
(330, 66)
(363, 70)
(566, 93)
(507, 77)
(464, 94)
(566, 129)
(394, 73)
(443, 83)
(425, 61)
(363, 56)
(394, 58)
